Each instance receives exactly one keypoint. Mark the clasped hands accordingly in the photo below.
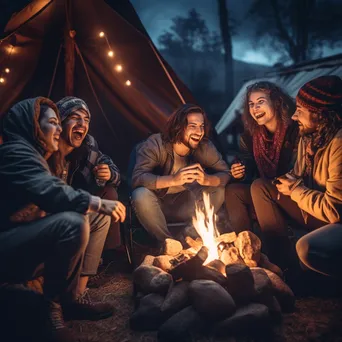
(189, 174)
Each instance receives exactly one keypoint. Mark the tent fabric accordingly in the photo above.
(121, 115)
(289, 79)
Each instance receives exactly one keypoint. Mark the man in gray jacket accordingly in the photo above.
(173, 169)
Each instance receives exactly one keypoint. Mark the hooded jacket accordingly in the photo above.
(25, 179)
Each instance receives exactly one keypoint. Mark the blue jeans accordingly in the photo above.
(154, 212)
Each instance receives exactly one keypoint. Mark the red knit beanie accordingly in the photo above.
(323, 92)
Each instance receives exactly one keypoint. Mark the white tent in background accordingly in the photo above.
(290, 79)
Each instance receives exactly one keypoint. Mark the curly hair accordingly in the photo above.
(329, 121)
(283, 105)
(177, 123)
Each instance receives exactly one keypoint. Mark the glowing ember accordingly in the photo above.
(204, 223)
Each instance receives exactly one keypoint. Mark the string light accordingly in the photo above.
(7, 70)
(2, 80)
(101, 34)
(118, 67)
(128, 83)
(111, 53)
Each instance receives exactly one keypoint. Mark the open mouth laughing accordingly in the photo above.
(196, 140)
(259, 115)
(78, 133)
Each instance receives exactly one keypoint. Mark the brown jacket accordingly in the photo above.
(324, 201)
(154, 158)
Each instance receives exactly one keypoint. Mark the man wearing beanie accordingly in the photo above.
(88, 169)
(311, 193)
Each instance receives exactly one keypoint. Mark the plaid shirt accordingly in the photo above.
(81, 162)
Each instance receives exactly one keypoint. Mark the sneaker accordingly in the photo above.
(84, 308)
(57, 331)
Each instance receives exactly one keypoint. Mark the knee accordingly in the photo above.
(303, 250)
(258, 187)
(78, 228)
(110, 193)
(142, 195)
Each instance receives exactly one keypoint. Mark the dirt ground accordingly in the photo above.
(317, 318)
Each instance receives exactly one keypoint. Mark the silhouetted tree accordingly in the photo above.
(297, 28)
(227, 48)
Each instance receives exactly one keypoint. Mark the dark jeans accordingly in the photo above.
(59, 241)
(319, 250)
(68, 244)
(239, 206)
(113, 239)
(153, 212)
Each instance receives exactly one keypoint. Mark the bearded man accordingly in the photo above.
(311, 194)
(173, 169)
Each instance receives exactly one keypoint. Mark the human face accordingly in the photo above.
(50, 126)
(194, 130)
(304, 118)
(261, 109)
(75, 128)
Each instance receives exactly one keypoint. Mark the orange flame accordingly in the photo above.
(204, 223)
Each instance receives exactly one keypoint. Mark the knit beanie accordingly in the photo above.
(323, 92)
(70, 104)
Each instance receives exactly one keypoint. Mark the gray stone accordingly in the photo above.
(217, 265)
(180, 326)
(240, 282)
(160, 283)
(227, 238)
(266, 263)
(177, 298)
(211, 300)
(282, 292)
(148, 316)
(163, 262)
(231, 255)
(148, 260)
(262, 283)
(172, 247)
(246, 318)
(143, 275)
(249, 246)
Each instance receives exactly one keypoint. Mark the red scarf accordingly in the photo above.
(267, 149)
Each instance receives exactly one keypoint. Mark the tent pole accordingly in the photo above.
(69, 35)
(167, 73)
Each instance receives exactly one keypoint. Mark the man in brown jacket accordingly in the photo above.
(172, 169)
(311, 193)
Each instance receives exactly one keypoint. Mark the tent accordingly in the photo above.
(99, 51)
(290, 79)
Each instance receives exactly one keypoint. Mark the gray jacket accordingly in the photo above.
(154, 158)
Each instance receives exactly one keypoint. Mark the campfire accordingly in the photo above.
(217, 284)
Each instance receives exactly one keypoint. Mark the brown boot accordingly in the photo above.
(57, 331)
(84, 308)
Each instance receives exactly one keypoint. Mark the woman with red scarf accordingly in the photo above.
(267, 148)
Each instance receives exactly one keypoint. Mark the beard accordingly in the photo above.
(304, 130)
(190, 144)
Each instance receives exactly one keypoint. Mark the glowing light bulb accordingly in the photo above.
(128, 83)
(2, 80)
(7, 70)
(101, 34)
(111, 53)
(118, 67)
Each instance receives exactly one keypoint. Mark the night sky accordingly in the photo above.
(156, 16)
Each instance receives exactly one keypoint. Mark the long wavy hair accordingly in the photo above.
(329, 122)
(177, 123)
(55, 161)
(283, 105)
